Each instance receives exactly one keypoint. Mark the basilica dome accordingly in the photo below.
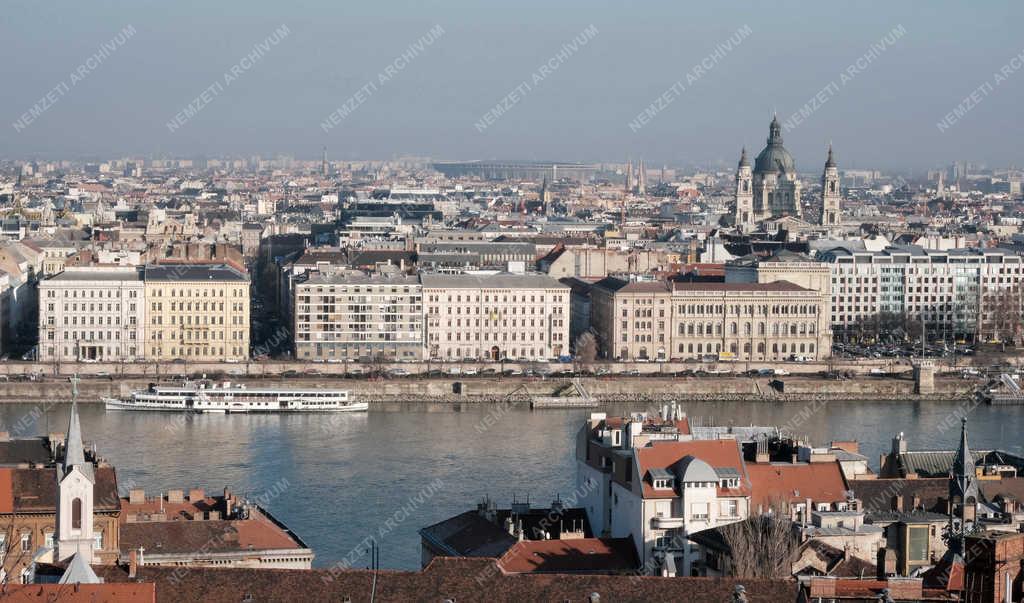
(774, 158)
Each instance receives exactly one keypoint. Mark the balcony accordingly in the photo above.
(666, 523)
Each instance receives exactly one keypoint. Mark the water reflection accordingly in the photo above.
(348, 473)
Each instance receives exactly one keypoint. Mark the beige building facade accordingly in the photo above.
(197, 312)
(494, 317)
(657, 320)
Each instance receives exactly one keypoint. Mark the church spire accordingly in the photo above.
(830, 162)
(963, 494)
(74, 448)
(744, 162)
(963, 464)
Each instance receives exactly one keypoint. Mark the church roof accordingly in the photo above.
(79, 572)
(774, 157)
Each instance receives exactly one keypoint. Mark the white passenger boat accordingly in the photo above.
(224, 398)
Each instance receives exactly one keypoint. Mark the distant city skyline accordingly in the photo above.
(892, 87)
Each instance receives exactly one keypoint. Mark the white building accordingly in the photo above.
(961, 292)
(92, 314)
(514, 316)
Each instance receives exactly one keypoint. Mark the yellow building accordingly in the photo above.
(197, 312)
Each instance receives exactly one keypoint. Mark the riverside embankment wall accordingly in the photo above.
(487, 389)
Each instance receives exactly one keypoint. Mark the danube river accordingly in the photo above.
(337, 479)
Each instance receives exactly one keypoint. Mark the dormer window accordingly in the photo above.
(662, 479)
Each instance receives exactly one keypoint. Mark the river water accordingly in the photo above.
(337, 479)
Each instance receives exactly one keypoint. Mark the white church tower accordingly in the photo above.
(830, 196)
(744, 194)
(75, 482)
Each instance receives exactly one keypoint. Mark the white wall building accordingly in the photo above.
(514, 316)
(92, 314)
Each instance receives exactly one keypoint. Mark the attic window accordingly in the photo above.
(662, 484)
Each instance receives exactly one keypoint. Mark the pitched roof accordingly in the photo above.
(129, 592)
(716, 453)
(35, 490)
(79, 572)
(25, 450)
(795, 482)
(460, 579)
(175, 537)
(578, 555)
(774, 286)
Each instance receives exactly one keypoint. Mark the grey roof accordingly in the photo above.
(362, 279)
(79, 572)
(24, 450)
(194, 272)
(97, 275)
(727, 472)
(915, 516)
(693, 469)
(496, 281)
(74, 449)
(774, 157)
(659, 473)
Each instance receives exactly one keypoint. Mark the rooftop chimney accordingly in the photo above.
(133, 563)
(136, 496)
(196, 494)
(176, 496)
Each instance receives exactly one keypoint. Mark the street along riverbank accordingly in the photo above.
(500, 389)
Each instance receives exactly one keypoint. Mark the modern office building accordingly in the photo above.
(350, 317)
(966, 293)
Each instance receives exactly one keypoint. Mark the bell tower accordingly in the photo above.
(830, 210)
(745, 217)
(75, 482)
(963, 494)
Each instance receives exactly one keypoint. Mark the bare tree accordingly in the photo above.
(586, 349)
(762, 547)
(1004, 309)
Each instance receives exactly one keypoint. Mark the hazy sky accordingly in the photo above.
(885, 115)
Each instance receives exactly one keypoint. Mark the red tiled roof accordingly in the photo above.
(466, 580)
(821, 482)
(174, 511)
(125, 592)
(717, 453)
(578, 555)
(172, 537)
(6, 491)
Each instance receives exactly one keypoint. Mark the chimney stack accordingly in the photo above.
(133, 564)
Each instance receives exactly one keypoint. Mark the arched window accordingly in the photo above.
(76, 514)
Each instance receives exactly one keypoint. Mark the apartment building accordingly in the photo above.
(348, 317)
(666, 320)
(197, 312)
(514, 316)
(660, 480)
(92, 314)
(966, 293)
